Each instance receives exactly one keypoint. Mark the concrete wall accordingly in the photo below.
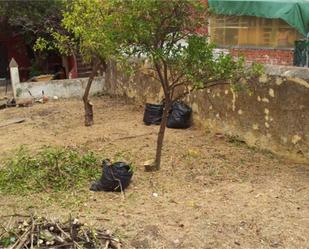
(61, 88)
(272, 113)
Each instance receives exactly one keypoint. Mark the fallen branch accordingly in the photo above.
(68, 236)
(15, 215)
(40, 233)
(21, 242)
(106, 244)
(133, 136)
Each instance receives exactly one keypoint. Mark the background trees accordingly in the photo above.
(33, 19)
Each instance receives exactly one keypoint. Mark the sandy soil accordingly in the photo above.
(211, 193)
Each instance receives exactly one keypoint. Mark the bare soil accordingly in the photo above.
(210, 192)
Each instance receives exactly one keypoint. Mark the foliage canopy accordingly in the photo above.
(33, 19)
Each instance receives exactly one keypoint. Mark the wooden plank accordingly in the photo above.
(12, 121)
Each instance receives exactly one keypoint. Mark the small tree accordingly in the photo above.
(165, 34)
(62, 26)
(92, 25)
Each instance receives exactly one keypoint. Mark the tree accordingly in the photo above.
(67, 27)
(165, 34)
(92, 24)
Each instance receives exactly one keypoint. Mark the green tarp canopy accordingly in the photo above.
(294, 12)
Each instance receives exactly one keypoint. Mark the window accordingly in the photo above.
(248, 31)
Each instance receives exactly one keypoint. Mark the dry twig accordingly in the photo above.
(40, 233)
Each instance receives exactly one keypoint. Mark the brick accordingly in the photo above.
(280, 57)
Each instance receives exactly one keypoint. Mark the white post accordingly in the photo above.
(14, 75)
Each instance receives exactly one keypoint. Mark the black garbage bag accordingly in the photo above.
(115, 177)
(153, 114)
(179, 116)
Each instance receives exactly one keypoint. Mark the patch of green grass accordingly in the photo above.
(51, 169)
(7, 240)
(236, 140)
(191, 154)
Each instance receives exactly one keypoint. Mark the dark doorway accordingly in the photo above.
(4, 73)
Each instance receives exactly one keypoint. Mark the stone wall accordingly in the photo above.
(272, 114)
(61, 88)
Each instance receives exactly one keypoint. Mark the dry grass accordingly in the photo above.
(211, 193)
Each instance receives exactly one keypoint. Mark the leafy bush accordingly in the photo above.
(50, 169)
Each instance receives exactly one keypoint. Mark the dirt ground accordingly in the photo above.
(211, 192)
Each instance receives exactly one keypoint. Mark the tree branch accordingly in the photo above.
(185, 93)
(214, 83)
(176, 81)
(165, 67)
(95, 68)
(158, 68)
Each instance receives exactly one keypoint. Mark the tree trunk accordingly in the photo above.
(161, 133)
(87, 104)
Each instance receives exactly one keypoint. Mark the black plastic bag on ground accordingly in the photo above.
(115, 177)
(153, 114)
(179, 116)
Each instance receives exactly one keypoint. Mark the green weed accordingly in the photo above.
(51, 169)
(236, 140)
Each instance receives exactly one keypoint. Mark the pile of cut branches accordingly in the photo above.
(49, 169)
(39, 232)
